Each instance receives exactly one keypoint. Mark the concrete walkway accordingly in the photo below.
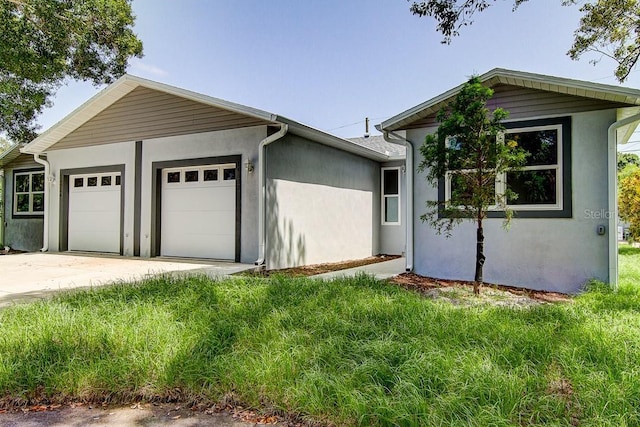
(381, 270)
(24, 277)
(147, 415)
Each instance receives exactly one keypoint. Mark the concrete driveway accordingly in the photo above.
(35, 275)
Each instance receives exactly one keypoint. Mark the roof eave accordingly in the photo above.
(116, 91)
(331, 140)
(10, 155)
(523, 79)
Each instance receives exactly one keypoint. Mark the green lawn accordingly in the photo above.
(352, 351)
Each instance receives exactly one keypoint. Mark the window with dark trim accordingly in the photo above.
(28, 197)
(543, 184)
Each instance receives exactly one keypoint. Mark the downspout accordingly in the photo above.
(47, 183)
(612, 178)
(262, 185)
(397, 139)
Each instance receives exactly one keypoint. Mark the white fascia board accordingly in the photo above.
(330, 140)
(518, 78)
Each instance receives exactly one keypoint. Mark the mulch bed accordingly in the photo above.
(311, 270)
(427, 285)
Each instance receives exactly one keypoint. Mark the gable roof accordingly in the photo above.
(10, 154)
(499, 76)
(128, 83)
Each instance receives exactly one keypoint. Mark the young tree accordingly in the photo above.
(629, 201)
(608, 27)
(44, 42)
(468, 151)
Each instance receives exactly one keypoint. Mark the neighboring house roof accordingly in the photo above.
(10, 154)
(378, 143)
(498, 76)
(127, 83)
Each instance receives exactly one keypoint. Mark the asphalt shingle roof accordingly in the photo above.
(377, 143)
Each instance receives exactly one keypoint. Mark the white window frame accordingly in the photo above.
(501, 179)
(30, 193)
(501, 183)
(384, 196)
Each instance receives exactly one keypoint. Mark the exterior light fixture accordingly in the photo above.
(248, 164)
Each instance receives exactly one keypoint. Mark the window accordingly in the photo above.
(29, 193)
(390, 196)
(229, 174)
(211, 174)
(191, 176)
(543, 184)
(173, 177)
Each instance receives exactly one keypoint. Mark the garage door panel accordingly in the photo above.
(88, 221)
(199, 246)
(222, 198)
(93, 241)
(219, 222)
(198, 219)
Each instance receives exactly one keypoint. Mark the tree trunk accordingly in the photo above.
(479, 259)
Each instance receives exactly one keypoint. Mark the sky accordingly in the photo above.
(331, 63)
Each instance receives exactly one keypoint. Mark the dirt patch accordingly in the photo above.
(460, 292)
(8, 251)
(312, 270)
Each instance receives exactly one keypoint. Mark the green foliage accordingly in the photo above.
(44, 42)
(344, 352)
(607, 27)
(626, 159)
(469, 148)
(629, 201)
(451, 15)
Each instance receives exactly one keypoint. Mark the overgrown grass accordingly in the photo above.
(350, 351)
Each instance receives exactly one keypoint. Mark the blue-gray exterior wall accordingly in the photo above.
(323, 204)
(557, 254)
(24, 234)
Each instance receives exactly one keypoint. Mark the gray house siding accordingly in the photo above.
(323, 204)
(145, 113)
(525, 103)
(21, 233)
(558, 254)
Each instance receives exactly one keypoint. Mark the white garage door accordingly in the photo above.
(94, 212)
(198, 218)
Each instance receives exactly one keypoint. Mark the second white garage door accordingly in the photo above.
(198, 218)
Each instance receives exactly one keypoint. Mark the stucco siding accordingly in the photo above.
(323, 204)
(559, 254)
(122, 153)
(237, 142)
(21, 233)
